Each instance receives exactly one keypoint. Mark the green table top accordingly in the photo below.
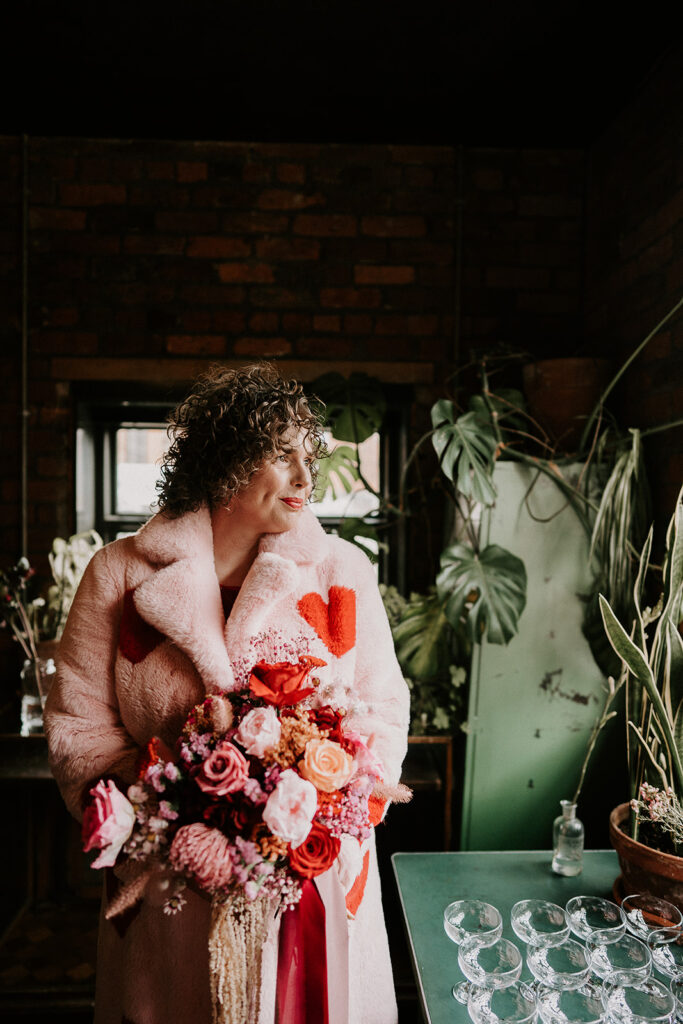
(428, 882)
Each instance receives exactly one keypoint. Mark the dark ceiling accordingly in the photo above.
(481, 72)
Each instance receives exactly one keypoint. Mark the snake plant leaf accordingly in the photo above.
(354, 405)
(486, 589)
(338, 472)
(466, 447)
(422, 638)
(673, 571)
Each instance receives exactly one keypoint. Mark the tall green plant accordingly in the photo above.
(654, 664)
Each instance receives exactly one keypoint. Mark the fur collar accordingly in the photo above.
(182, 597)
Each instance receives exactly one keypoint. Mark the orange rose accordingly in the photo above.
(283, 683)
(327, 765)
(316, 854)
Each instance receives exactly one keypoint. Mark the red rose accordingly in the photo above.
(316, 854)
(224, 771)
(327, 718)
(283, 683)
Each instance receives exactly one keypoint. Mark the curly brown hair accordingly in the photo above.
(229, 424)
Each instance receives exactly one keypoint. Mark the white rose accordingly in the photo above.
(290, 808)
(259, 731)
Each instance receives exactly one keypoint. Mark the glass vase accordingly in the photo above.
(568, 839)
(36, 678)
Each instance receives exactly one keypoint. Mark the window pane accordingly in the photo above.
(351, 497)
(138, 453)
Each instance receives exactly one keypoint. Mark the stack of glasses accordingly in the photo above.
(604, 974)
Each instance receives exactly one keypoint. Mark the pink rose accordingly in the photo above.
(259, 731)
(224, 771)
(107, 823)
(327, 765)
(290, 808)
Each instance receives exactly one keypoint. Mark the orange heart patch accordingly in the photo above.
(335, 622)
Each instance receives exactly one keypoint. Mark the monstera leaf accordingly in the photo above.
(465, 446)
(487, 589)
(354, 406)
(357, 531)
(338, 472)
(422, 638)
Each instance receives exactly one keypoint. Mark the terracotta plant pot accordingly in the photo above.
(643, 870)
(562, 393)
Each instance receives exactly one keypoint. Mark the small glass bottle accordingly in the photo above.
(567, 841)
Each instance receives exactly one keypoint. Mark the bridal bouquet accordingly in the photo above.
(260, 795)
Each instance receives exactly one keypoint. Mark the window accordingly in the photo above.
(120, 443)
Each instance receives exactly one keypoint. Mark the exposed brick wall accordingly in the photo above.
(634, 264)
(148, 259)
(522, 251)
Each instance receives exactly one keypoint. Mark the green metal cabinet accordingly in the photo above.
(533, 703)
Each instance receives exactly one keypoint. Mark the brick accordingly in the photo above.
(439, 276)
(291, 174)
(60, 317)
(160, 170)
(256, 172)
(56, 219)
(357, 323)
(127, 170)
(283, 199)
(394, 227)
(350, 297)
(95, 169)
(324, 348)
(64, 342)
(266, 348)
(158, 197)
(88, 242)
(285, 249)
(254, 223)
(51, 466)
(325, 225)
(249, 273)
(196, 344)
(264, 322)
(154, 245)
(191, 170)
(197, 222)
(212, 295)
(488, 179)
(368, 274)
(282, 297)
(420, 323)
(229, 320)
(547, 304)
(420, 177)
(422, 252)
(387, 348)
(296, 322)
(200, 320)
(218, 247)
(93, 195)
(327, 323)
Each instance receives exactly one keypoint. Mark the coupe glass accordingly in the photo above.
(539, 923)
(676, 986)
(570, 1006)
(649, 1002)
(488, 967)
(560, 967)
(595, 919)
(667, 952)
(644, 914)
(515, 1004)
(626, 961)
(466, 919)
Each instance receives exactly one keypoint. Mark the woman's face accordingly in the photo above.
(279, 489)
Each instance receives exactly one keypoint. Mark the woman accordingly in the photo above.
(233, 564)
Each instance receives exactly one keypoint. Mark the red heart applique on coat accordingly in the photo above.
(335, 623)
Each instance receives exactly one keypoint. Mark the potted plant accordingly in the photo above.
(648, 832)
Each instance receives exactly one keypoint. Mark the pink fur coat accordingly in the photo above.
(116, 688)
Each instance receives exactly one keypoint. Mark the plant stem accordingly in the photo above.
(622, 370)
